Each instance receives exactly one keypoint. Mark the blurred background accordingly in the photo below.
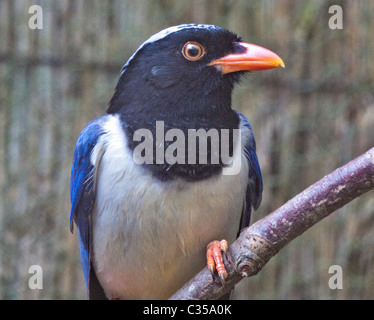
(308, 119)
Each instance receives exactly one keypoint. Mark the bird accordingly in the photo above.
(146, 228)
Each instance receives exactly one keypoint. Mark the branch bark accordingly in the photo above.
(258, 243)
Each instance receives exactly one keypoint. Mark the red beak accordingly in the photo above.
(254, 58)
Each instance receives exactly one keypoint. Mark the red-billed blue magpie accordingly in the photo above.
(144, 228)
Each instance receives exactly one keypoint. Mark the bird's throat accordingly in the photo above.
(183, 145)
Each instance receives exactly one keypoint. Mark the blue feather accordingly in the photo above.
(255, 186)
(82, 191)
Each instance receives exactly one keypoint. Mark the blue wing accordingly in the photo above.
(82, 193)
(254, 188)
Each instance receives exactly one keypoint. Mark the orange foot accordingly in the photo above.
(214, 258)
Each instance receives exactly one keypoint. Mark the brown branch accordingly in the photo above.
(261, 241)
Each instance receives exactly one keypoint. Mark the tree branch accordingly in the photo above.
(258, 243)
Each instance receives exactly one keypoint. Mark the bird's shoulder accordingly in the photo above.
(82, 168)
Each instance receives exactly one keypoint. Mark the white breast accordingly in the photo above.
(149, 237)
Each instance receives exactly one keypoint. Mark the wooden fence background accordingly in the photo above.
(308, 119)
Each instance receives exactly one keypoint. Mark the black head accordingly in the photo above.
(179, 70)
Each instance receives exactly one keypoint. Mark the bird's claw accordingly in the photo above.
(214, 258)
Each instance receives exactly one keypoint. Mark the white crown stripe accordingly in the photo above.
(163, 33)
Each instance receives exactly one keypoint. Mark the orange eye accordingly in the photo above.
(193, 51)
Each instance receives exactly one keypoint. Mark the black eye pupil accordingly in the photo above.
(193, 50)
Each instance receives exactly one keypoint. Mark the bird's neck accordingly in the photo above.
(209, 110)
(178, 108)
